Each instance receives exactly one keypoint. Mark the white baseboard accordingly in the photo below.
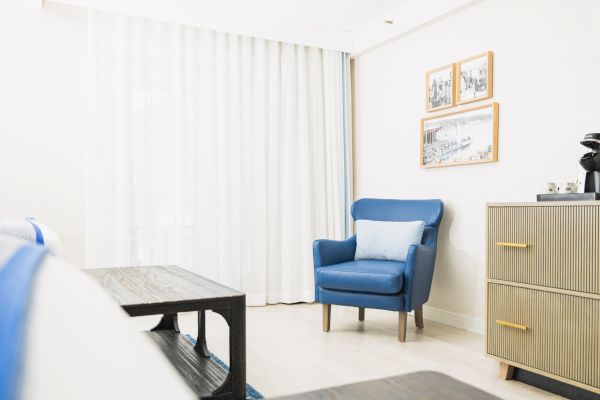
(456, 320)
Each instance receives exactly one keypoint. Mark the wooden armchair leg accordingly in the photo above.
(326, 317)
(402, 326)
(361, 313)
(419, 317)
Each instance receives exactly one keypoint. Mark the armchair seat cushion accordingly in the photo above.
(366, 276)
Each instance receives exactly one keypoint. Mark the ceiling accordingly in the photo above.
(345, 15)
(351, 26)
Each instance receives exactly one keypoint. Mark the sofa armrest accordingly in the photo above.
(418, 275)
(329, 252)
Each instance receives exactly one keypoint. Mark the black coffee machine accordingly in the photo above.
(591, 163)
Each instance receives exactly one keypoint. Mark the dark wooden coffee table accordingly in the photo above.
(168, 290)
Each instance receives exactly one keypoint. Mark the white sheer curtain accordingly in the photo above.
(219, 153)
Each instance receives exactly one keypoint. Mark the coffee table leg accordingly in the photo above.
(235, 382)
(237, 348)
(168, 322)
(201, 347)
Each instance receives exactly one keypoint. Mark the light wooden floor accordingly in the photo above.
(288, 353)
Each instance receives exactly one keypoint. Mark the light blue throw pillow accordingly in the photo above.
(386, 240)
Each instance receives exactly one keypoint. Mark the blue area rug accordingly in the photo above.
(251, 393)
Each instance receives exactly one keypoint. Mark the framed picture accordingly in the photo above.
(474, 78)
(439, 93)
(468, 136)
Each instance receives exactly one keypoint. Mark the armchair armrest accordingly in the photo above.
(329, 252)
(418, 274)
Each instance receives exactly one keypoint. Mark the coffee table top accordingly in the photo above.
(162, 289)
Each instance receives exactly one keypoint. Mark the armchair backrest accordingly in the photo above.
(429, 211)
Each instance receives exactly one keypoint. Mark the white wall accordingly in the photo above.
(546, 63)
(42, 94)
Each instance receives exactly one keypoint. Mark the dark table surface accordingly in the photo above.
(160, 289)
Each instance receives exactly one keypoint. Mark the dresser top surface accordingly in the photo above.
(546, 204)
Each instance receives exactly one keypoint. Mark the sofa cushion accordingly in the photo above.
(367, 276)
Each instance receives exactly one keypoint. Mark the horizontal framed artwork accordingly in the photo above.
(474, 78)
(468, 136)
(440, 88)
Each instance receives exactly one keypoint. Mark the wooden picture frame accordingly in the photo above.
(475, 78)
(436, 80)
(468, 136)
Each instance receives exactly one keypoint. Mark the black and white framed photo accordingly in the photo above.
(474, 78)
(468, 136)
(440, 88)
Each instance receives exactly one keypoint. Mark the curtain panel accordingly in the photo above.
(223, 154)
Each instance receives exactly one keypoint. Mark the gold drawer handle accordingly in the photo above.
(508, 244)
(511, 325)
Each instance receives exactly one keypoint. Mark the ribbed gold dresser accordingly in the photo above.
(543, 290)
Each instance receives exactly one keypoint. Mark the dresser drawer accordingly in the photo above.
(552, 332)
(552, 246)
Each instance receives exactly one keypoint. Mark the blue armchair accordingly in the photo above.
(386, 285)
